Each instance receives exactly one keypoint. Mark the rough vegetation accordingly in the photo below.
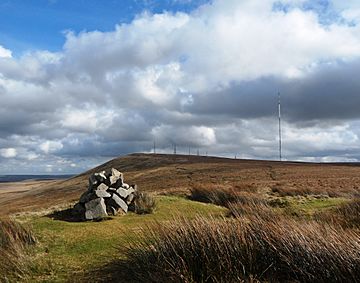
(144, 203)
(216, 220)
(244, 249)
(14, 242)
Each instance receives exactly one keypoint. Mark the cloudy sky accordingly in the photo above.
(82, 81)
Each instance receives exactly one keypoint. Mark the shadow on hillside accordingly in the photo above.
(67, 215)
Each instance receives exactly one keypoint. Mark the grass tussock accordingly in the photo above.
(245, 249)
(347, 215)
(223, 195)
(284, 190)
(144, 203)
(14, 241)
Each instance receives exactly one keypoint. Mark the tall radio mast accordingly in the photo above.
(279, 112)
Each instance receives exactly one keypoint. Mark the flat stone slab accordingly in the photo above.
(95, 209)
(122, 204)
(102, 187)
(102, 194)
(122, 192)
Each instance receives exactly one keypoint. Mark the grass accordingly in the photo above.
(347, 214)
(15, 239)
(144, 203)
(72, 249)
(224, 195)
(301, 232)
(244, 249)
(283, 190)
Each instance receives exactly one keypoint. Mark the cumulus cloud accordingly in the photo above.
(5, 53)
(50, 146)
(205, 79)
(8, 152)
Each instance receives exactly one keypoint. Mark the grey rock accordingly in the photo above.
(131, 190)
(125, 186)
(120, 203)
(116, 173)
(79, 208)
(102, 187)
(100, 177)
(112, 210)
(108, 173)
(102, 194)
(122, 192)
(116, 177)
(130, 198)
(86, 196)
(93, 180)
(95, 209)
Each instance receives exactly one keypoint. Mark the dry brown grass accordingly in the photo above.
(14, 241)
(347, 215)
(144, 203)
(283, 189)
(245, 249)
(224, 195)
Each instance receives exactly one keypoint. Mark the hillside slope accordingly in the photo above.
(162, 173)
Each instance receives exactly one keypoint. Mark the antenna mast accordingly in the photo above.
(154, 147)
(279, 112)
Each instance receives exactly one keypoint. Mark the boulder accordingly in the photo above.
(86, 196)
(120, 203)
(93, 181)
(130, 199)
(122, 192)
(102, 187)
(95, 209)
(102, 194)
(79, 209)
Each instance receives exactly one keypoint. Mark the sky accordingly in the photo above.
(82, 82)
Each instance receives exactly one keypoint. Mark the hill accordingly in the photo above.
(166, 174)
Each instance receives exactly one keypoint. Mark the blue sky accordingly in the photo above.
(39, 24)
(205, 78)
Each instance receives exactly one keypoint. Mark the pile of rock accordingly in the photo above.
(107, 195)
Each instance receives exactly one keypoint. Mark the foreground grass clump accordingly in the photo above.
(144, 203)
(347, 215)
(350, 213)
(242, 249)
(222, 195)
(14, 240)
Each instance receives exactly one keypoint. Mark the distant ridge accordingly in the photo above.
(20, 178)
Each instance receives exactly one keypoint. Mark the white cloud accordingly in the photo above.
(109, 93)
(51, 146)
(5, 53)
(8, 152)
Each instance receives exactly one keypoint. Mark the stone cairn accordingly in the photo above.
(107, 195)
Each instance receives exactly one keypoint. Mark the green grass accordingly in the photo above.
(308, 206)
(68, 249)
